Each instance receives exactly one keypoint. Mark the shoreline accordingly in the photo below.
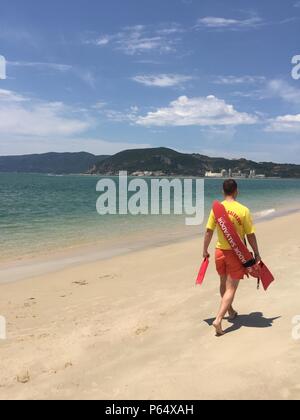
(16, 270)
(148, 176)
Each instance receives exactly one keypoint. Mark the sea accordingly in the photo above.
(41, 215)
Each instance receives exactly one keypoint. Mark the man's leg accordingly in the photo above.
(227, 301)
(232, 313)
(223, 280)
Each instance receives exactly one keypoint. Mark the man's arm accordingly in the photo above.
(207, 240)
(254, 245)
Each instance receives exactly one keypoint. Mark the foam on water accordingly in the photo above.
(264, 214)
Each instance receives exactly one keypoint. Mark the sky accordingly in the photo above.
(211, 77)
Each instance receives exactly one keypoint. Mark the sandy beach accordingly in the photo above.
(136, 327)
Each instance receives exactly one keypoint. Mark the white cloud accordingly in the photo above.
(41, 65)
(276, 88)
(138, 39)
(285, 123)
(128, 115)
(29, 125)
(103, 40)
(85, 75)
(174, 28)
(256, 94)
(7, 96)
(239, 80)
(100, 105)
(23, 116)
(162, 80)
(213, 22)
(202, 111)
(284, 90)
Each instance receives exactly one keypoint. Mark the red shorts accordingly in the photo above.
(227, 264)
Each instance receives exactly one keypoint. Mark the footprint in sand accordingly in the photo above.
(55, 371)
(68, 365)
(30, 302)
(107, 276)
(42, 336)
(141, 331)
(23, 378)
(81, 283)
(65, 296)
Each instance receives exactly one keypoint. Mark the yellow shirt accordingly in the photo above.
(241, 218)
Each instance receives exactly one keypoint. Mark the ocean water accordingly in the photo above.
(40, 214)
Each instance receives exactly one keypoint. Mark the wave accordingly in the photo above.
(264, 213)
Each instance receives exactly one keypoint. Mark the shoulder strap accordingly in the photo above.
(231, 235)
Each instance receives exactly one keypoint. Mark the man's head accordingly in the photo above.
(230, 188)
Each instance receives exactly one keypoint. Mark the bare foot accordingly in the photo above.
(218, 328)
(232, 315)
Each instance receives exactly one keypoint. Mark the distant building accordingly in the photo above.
(230, 174)
(211, 174)
(253, 175)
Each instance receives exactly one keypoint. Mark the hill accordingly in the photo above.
(160, 160)
(164, 161)
(157, 161)
(54, 163)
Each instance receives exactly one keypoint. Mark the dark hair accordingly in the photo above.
(230, 187)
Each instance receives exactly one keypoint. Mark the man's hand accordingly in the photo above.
(207, 240)
(257, 258)
(253, 243)
(206, 254)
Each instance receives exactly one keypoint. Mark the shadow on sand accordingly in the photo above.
(254, 320)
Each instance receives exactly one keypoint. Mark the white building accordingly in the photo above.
(211, 174)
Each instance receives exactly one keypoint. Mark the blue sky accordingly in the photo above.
(211, 77)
